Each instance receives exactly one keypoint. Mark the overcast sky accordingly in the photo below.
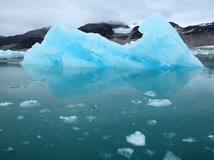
(18, 16)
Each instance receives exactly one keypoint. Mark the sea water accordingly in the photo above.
(106, 114)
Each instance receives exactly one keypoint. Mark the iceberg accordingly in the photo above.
(160, 47)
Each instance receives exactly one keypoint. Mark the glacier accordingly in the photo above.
(160, 47)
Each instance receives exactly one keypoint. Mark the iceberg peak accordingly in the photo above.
(160, 47)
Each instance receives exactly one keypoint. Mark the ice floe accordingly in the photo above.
(150, 93)
(70, 119)
(152, 122)
(137, 139)
(20, 117)
(189, 140)
(170, 156)
(29, 104)
(4, 104)
(159, 102)
(126, 152)
(1, 130)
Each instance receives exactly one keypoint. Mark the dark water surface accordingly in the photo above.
(88, 114)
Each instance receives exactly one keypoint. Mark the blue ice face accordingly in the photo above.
(160, 47)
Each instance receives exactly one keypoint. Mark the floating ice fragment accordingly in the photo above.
(76, 105)
(170, 135)
(149, 152)
(91, 118)
(4, 104)
(70, 119)
(29, 104)
(25, 142)
(152, 122)
(39, 136)
(44, 111)
(20, 117)
(137, 139)
(9, 149)
(150, 93)
(189, 140)
(106, 155)
(76, 128)
(170, 156)
(126, 152)
(211, 137)
(159, 102)
(1, 130)
(136, 101)
(107, 137)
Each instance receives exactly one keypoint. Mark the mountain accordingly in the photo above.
(23, 41)
(193, 36)
(196, 35)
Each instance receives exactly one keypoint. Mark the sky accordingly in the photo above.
(19, 16)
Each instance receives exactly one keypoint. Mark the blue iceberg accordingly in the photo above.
(160, 47)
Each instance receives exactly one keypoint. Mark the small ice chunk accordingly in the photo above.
(137, 139)
(9, 149)
(76, 128)
(150, 93)
(107, 137)
(189, 140)
(29, 104)
(136, 101)
(1, 130)
(170, 135)
(70, 119)
(106, 155)
(152, 122)
(126, 152)
(20, 117)
(76, 105)
(5, 104)
(149, 152)
(44, 110)
(91, 118)
(159, 102)
(39, 136)
(25, 142)
(170, 156)
(211, 137)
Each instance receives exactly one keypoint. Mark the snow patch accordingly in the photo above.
(137, 139)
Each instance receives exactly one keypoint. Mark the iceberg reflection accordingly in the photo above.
(68, 82)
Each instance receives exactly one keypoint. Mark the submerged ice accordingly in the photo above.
(160, 46)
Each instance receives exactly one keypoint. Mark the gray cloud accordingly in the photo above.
(18, 16)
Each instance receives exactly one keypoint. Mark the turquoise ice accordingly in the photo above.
(160, 47)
